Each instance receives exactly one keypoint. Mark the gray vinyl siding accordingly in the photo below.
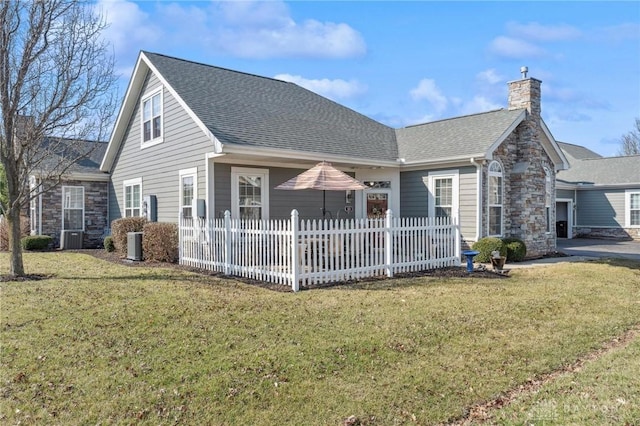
(184, 147)
(307, 202)
(414, 198)
(565, 193)
(601, 208)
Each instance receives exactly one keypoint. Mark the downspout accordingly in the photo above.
(478, 198)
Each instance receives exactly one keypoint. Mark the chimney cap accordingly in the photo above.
(524, 71)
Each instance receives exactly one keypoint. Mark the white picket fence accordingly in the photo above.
(306, 252)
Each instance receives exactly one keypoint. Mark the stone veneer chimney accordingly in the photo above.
(525, 93)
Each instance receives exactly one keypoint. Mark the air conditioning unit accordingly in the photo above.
(134, 245)
(71, 240)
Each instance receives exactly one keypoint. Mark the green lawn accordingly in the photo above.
(100, 343)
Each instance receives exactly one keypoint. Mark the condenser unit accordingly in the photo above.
(134, 245)
(71, 240)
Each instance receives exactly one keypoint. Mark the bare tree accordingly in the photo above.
(630, 143)
(56, 85)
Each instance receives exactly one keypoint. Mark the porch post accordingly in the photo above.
(295, 255)
(227, 242)
(388, 243)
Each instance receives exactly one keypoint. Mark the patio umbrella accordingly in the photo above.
(323, 177)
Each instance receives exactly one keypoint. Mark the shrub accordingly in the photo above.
(516, 249)
(36, 242)
(486, 245)
(108, 244)
(121, 227)
(160, 242)
(4, 231)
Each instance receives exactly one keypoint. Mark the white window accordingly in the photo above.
(250, 193)
(188, 191)
(496, 191)
(73, 208)
(548, 195)
(443, 193)
(632, 202)
(132, 197)
(34, 221)
(152, 119)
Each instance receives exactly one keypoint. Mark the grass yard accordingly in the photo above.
(101, 343)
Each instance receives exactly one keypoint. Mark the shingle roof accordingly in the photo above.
(248, 110)
(603, 171)
(455, 137)
(577, 152)
(55, 149)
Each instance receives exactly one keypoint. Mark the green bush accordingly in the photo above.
(36, 242)
(121, 227)
(516, 249)
(160, 242)
(108, 244)
(485, 246)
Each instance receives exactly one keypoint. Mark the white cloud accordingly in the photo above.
(515, 48)
(428, 90)
(490, 76)
(479, 104)
(539, 32)
(618, 33)
(333, 89)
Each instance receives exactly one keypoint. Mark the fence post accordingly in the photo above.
(227, 242)
(457, 237)
(180, 238)
(295, 255)
(388, 243)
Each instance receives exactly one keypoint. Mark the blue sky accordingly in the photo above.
(404, 63)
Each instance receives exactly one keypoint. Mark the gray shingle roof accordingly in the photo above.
(455, 137)
(55, 149)
(577, 152)
(248, 110)
(603, 171)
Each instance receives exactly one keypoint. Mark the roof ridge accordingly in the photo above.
(458, 117)
(217, 67)
(611, 158)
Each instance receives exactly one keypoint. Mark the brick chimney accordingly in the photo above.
(525, 93)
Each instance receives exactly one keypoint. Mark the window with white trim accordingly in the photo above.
(496, 191)
(132, 190)
(250, 193)
(152, 119)
(548, 195)
(443, 193)
(632, 202)
(73, 208)
(34, 188)
(188, 192)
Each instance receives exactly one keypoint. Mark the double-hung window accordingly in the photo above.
(152, 119)
(250, 193)
(496, 190)
(132, 197)
(443, 193)
(632, 202)
(73, 208)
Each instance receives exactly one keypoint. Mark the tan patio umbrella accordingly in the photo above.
(323, 177)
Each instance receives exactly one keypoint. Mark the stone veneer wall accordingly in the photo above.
(607, 233)
(95, 212)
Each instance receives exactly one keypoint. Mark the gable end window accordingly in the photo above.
(152, 122)
(632, 202)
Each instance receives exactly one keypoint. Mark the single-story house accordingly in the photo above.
(74, 212)
(598, 196)
(193, 139)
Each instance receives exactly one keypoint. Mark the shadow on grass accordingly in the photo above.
(619, 262)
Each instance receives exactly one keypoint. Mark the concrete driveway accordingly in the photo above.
(600, 248)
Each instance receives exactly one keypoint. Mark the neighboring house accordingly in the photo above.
(194, 139)
(598, 196)
(78, 205)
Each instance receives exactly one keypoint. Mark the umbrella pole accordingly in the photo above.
(324, 200)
